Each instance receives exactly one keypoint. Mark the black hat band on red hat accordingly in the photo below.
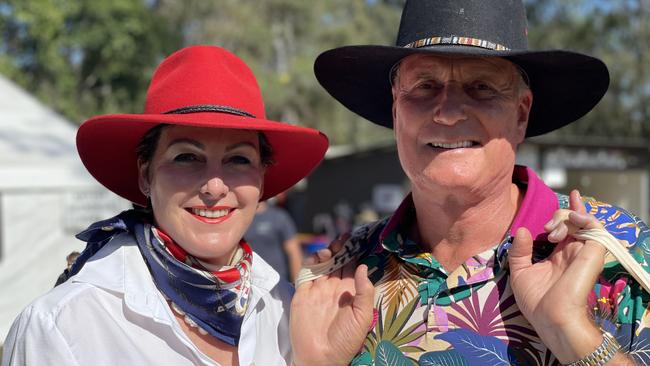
(210, 108)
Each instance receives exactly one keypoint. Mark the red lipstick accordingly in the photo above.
(211, 220)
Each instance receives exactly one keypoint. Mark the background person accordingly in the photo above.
(470, 269)
(272, 235)
(174, 283)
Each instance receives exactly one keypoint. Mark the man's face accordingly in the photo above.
(458, 120)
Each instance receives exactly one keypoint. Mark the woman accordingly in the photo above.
(175, 283)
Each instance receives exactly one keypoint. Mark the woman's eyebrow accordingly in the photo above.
(186, 141)
(240, 144)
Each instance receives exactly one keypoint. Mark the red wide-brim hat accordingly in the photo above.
(202, 86)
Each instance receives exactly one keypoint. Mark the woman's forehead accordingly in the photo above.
(207, 135)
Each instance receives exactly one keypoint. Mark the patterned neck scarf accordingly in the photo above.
(215, 300)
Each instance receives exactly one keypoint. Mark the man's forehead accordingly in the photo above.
(420, 63)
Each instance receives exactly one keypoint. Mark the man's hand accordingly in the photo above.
(330, 317)
(552, 294)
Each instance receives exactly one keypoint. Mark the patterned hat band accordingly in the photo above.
(454, 40)
(210, 108)
(464, 41)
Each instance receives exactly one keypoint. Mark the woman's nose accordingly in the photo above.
(450, 107)
(214, 187)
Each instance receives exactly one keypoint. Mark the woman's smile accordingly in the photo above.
(212, 215)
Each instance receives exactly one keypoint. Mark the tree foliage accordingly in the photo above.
(83, 57)
(280, 39)
(618, 32)
(88, 57)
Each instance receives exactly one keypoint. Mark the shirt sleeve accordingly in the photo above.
(639, 345)
(618, 303)
(287, 292)
(630, 310)
(34, 339)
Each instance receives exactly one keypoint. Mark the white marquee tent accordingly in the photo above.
(46, 196)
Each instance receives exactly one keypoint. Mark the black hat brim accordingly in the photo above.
(565, 84)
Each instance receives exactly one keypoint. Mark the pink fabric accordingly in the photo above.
(538, 206)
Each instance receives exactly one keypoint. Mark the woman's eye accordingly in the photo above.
(239, 160)
(186, 157)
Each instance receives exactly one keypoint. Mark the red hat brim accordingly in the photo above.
(107, 147)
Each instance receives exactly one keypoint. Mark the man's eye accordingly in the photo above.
(426, 85)
(482, 87)
(186, 157)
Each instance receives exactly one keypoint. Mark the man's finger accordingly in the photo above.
(364, 297)
(521, 252)
(337, 244)
(584, 220)
(575, 202)
(324, 255)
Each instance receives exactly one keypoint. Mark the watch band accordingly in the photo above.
(601, 355)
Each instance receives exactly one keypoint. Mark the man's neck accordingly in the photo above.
(454, 230)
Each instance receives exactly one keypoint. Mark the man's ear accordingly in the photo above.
(143, 178)
(523, 113)
(393, 108)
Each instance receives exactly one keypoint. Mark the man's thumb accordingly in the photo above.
(365, 291)
(521, 252)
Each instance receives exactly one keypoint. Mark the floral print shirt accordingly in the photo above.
(426, 316)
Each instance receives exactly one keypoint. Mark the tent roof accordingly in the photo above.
(37, 145)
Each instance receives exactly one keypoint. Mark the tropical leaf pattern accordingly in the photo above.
(399, 283)
(426, 316)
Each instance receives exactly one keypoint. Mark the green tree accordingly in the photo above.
(280, 39)
(84, 57)
(618, 32)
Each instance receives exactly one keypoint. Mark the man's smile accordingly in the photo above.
(453, 145)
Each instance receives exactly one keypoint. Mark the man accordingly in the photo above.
(471, 269)
(272, 235)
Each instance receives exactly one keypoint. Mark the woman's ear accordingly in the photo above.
(143, 178)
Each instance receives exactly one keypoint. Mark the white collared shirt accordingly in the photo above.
(111, 313)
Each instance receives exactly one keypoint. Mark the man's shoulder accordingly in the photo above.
(365, 238)
(369, 232)
(632, 232)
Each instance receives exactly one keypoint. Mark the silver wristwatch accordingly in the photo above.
(602, 354)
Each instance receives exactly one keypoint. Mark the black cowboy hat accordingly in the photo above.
(565, 85)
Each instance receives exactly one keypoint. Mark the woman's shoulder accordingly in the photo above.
(48, 315)
(62, 298)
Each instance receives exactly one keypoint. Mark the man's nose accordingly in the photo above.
(451, 103)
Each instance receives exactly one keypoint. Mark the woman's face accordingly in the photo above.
(204, 185)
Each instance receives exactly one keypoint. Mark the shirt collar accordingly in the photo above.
(537, 207)
(119, 267)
